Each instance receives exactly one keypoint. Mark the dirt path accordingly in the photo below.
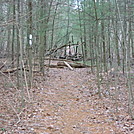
(67, 106)
(67, 103)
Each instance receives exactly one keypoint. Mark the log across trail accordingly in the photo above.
(56, 63)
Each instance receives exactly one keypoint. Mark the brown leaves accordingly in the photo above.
(68, 103)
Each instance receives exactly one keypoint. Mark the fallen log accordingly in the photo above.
(74, 65)
(54, 66)
(60, 64)
(55, 59)
(10, 70)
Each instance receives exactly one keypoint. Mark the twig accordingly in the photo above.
(18, 115)
(3, 65)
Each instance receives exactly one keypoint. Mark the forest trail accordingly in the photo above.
(66, 102)
(68, 105)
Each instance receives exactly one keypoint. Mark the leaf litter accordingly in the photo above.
(66, 102)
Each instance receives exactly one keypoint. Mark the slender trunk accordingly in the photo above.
(67, 30)
(29, 37)
(42, 35)
(80, 24)
(18, 42)
(8, 34)
(129, 80)
(85, 40)
(52, 36)
(13, 34)
(97, 49)
(109, 38)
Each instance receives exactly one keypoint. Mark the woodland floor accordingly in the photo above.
(65, 102)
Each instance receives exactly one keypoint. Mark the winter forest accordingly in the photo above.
(67, 66)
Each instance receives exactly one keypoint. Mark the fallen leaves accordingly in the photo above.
(68, 103)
